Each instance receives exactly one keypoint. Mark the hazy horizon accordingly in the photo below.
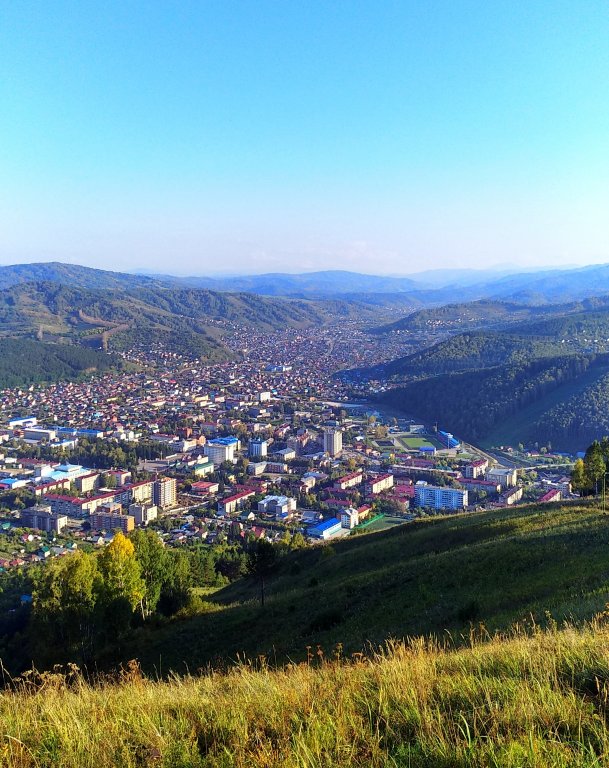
(215, 138)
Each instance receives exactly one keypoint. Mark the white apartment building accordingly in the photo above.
(438, 497)
(221, 449)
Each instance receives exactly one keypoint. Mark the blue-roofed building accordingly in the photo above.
(448, 440)
(74, 432)
(221, 449)
(10, 483)
(325, 530)
(225, 440)
(69, 472)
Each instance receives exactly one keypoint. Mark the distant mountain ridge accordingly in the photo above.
(72, 275)
(540, 287)
(529, 288)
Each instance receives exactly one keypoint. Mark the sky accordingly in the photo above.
(242, 137)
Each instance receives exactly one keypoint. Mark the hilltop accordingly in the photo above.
(73, 275)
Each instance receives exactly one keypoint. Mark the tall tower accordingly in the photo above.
(164, 492)
(333, 441)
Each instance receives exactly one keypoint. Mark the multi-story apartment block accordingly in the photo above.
(221, 449)
(507, 478)
(257, 448)
(380, 483)
(87, 483)
(277, 505)
(349, 481)
(333, 441)
(43, 519)
(476, 468)
(103, 521)
(73, 506)
(438, 497)
(143, 513)
(235, 502)
(164, 492)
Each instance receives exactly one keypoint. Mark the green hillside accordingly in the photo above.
(24, 361)
(588, 325)
(488, 404)
(496, 314)
(425, 577)
(70, 274)
(482, 349)
(466, 316)
(441, 642)
(536, 701)
(188, 321)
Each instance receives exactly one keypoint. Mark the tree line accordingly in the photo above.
(589, 474)
(85, 603)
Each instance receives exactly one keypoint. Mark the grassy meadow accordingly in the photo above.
(528, 700)
(429, 577)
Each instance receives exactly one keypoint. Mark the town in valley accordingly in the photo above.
(269, 445)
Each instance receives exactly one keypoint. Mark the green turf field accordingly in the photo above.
(415, 443)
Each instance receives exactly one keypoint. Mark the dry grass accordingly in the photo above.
(526, 700)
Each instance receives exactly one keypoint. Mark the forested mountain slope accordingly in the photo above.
(487, 314)
(564, 400)
(472, 350)
(468, 316)
(73, 275)
(189, 321)
(539, 380)
(25, 361)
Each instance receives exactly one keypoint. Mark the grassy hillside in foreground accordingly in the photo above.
(424, 577)
(535, 701)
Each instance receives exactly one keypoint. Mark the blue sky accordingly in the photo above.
(389, 137)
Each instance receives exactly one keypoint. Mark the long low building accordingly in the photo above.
(325, 530)
(72, 506)
(232, 503)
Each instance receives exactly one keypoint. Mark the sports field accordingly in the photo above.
(414, 443)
